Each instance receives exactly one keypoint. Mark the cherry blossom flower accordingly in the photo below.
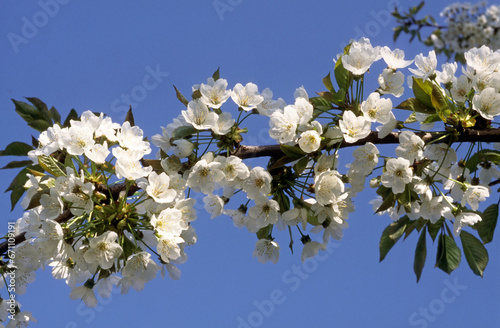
(397, 175)
(214, 93)
(104, 250)
(354, 127)
(246, 97)
(266, 250)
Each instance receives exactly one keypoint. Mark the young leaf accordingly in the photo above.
(264, 232)
(440, 104)
(216, 74)
(16, 148)
(55, 115)
(422, 91)
(182, 132)
(73, 115)
(391, 235)
(16, 164)
(181, 98)
(415, 105)
(327, 81)
(301, 165)
(130, 117)
(342, 75)
(475, 253)
(435, 227)
(292, 152)
(420, 255)
(51, 165)
(486, 227)
(448, 254)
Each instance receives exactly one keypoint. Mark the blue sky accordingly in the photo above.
(98, 55)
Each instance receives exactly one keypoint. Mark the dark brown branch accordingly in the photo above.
(492, 135)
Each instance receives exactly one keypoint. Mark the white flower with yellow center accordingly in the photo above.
(354, 127)
(426, 66)
(283, 124)
(198, 115)
(310, 141)
(264, 212)
(394, 58)
(266, 250)
(247, 97)
(214, 93)
(376, 109)
(391, 82)
(487, 103)
(158, 188)
(103, 250)
(397, 175)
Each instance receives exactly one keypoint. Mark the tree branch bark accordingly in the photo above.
(491, 135)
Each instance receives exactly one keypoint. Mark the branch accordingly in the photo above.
(490, 135)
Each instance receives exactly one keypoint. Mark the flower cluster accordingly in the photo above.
(468, 26)
(92, 229)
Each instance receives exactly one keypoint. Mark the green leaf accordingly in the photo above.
(301, 165)
(264, 232)
(15, 195)
(388, 202)
(485, 155)
(51, 165)
(486, 227)
(448, 254)
(42, 108)
(216, 74)
(16, 148)
(130, 117)
(415, 105)
(342, 76)
(55, 115)
(422, 91)
(327, 81)
(391, 234)
(434, 228)
(420, 255)
(440, 104)
(321, 104)
(293, 152)
(40, 125)
(73, 115)
(181, 98)
(475, 253)
(16, 164)
(415, 224)
(26, 111)
(182, 132)
(282, 161)
(411, 119)
(431, 119)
